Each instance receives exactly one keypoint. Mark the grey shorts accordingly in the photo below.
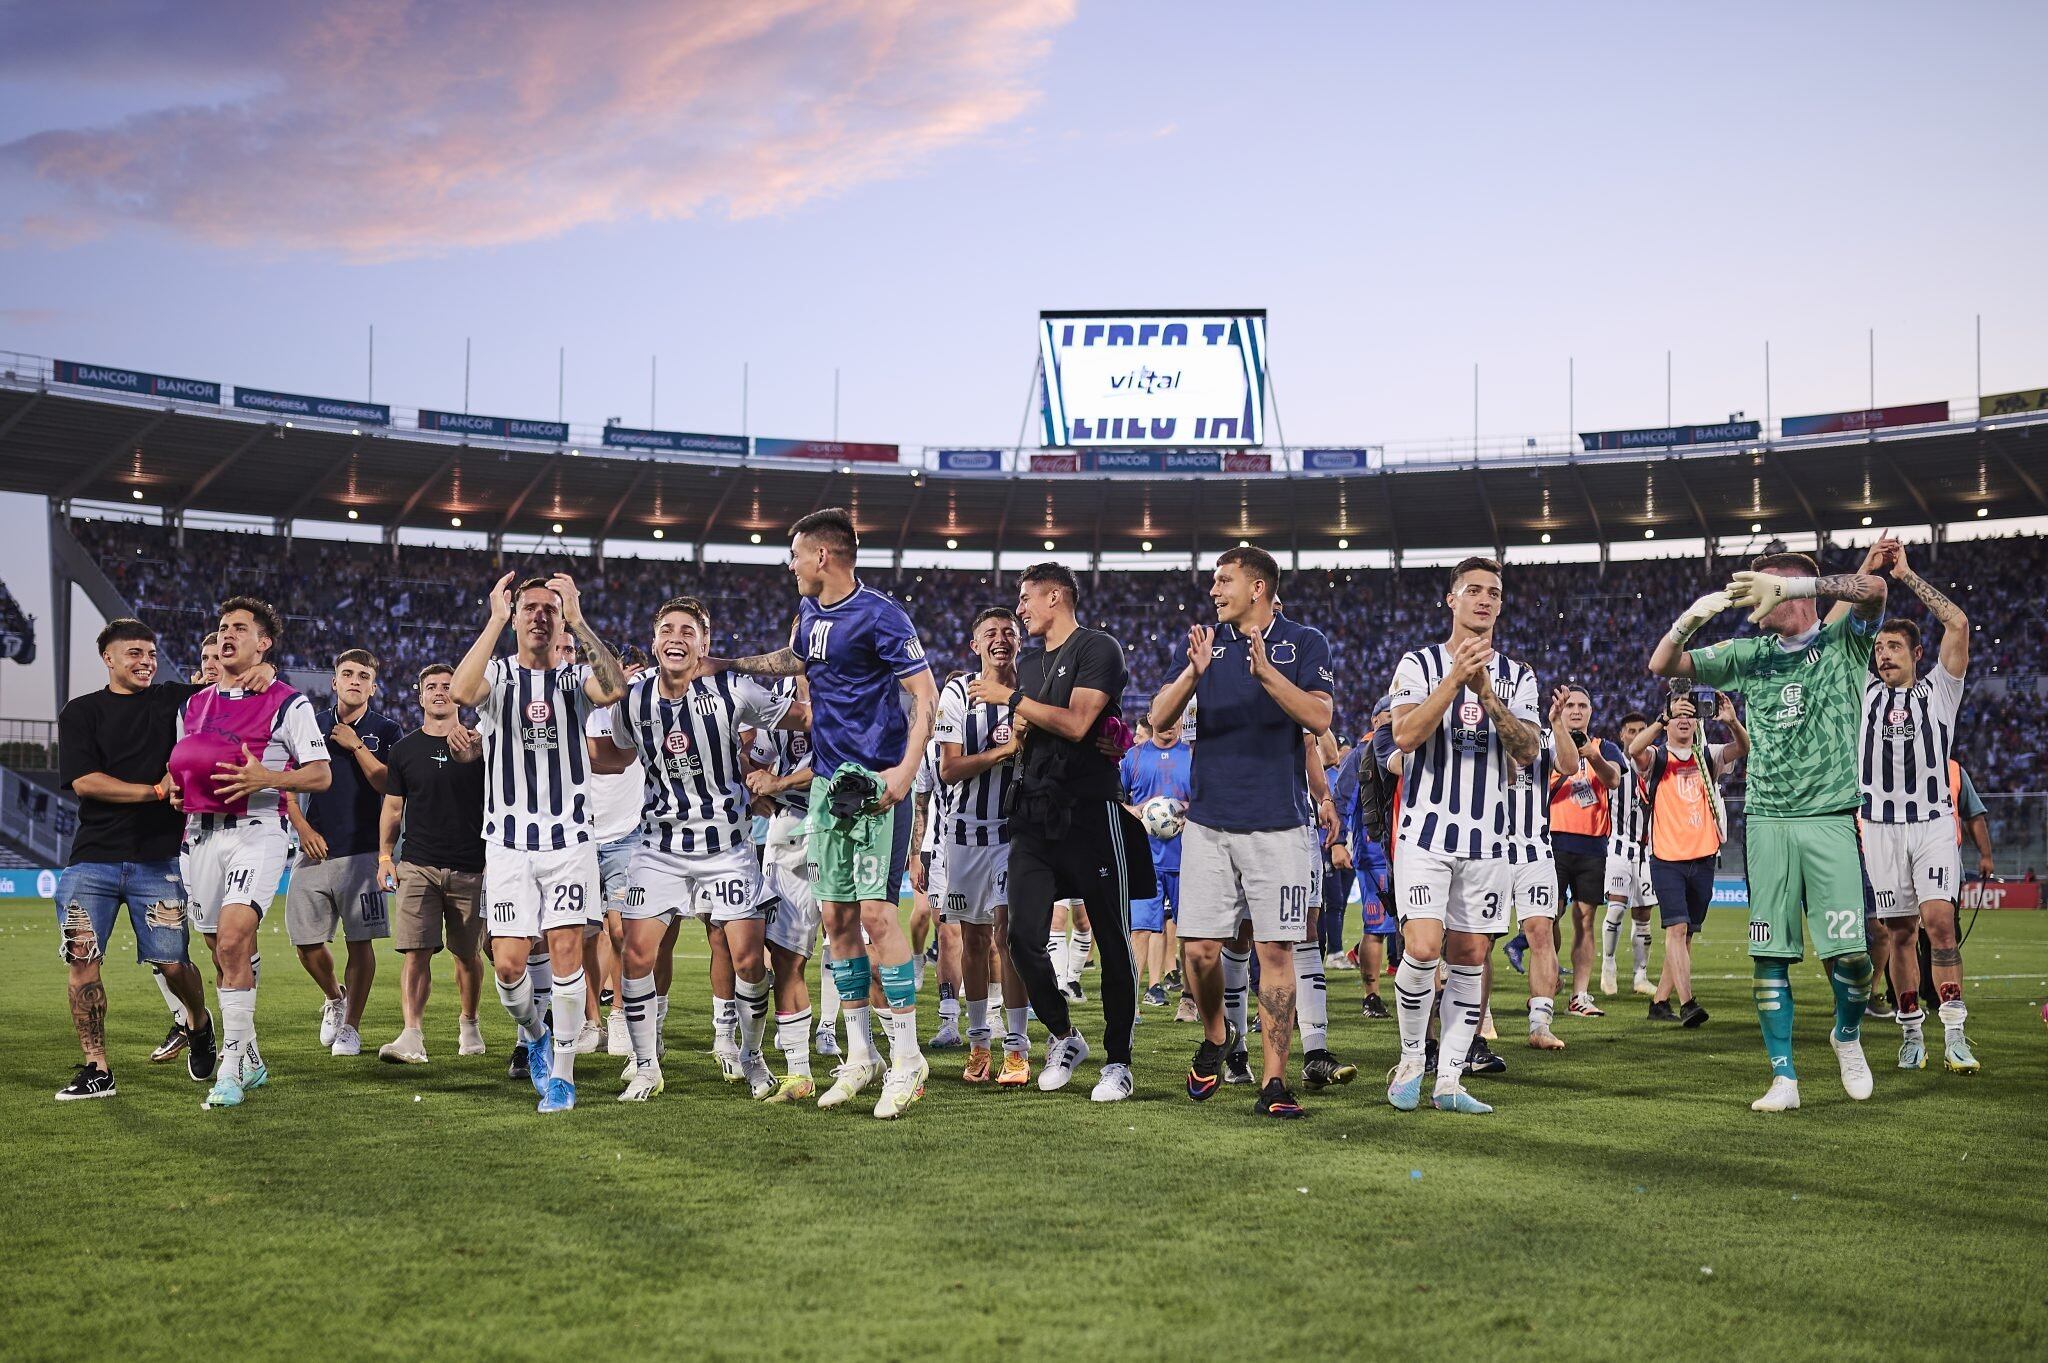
(1265, 878)
(338, 891)
(432, 905)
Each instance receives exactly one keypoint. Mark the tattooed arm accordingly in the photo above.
(1955, 626)
(1864, 593)
(924, 705)
(783, 662)
(1518, 736)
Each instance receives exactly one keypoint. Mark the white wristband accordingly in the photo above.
(1801, 588)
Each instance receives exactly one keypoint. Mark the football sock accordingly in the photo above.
(637, 998)
(1311, 996)
(828, 1007)
(1414, 991)
(949, 1005)
(899, 1020)
(660, 1020)
(1610, 940)
(978, 1033)
(1541, 1012)
(238, 1029)
(1772, 989)
(1910, 1015)
(541, 971)
(518, 1001)
(1639, 947)
(860, 1036)
(254, 1056)
(1078, 947)
(1056, 951)
(1015, 1039)
(1953, 1012)
(1237, 979)
(1850, 976)
(163, 986)
(568, 1019)
(793, 1039)
(725, 1023)
(753, 1013)
(1463, 988)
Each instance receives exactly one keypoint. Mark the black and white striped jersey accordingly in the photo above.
(1628, 835)
(696, 786)
(1528, 807)
(974, 807)
(536, 771)
(1902, 754)
(928, 783)
(784, 751)
(1454, 787)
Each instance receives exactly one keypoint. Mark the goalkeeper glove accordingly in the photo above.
(1764, 592)
(1697, 614)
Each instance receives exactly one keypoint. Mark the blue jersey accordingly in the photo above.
(855, 651)
(1150, 771)
(346, 813)
(1248, 768)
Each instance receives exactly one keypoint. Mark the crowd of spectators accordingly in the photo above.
(1571, 622)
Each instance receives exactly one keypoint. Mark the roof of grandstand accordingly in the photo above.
(67, 443)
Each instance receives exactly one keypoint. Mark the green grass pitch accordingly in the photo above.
(1622, 1203)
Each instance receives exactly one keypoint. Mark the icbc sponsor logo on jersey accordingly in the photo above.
(680, 760)
(1470, 732)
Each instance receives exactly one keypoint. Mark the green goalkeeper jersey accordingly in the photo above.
(1805, 707)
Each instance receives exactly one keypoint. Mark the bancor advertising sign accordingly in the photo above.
(1154, 378)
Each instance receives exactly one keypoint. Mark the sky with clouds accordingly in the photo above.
(238, 191)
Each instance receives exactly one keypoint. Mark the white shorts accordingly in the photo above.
(530, 893)
(1910, 864)
(1628, 882)
(240, 864)
(722, 887)
(1228, 879)
(786, 872)
(1535, 890)
(1465, 894)
(974, 884)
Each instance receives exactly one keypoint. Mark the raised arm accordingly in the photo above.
(607, 679)
(1172, 701)
(1519, 736)
(1738, 746)
(1955, 626)
(1310, 709)
(1669, 658)
(469, 685)
(1414, 723)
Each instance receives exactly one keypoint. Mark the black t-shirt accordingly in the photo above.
(444, 803)
(346, 812)
(127, 737)
(1091, 660)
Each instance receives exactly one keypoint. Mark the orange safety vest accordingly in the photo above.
(1579, 803)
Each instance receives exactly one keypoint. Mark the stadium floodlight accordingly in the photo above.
(352, 514)
(1146, 545)
(952, 544)
(1546, 537)
(558, 527)
(1866, 520)
(1756, 527)
(455, 521)
(138, 494)
(754, 538)
(1343, 544)
(1982, 511)
(1649, 534)
(657, 532)
(1048, 544)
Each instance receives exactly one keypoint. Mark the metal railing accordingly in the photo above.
(37, 817)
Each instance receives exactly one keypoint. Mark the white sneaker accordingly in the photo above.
(347, 1041)
(760, 1079)
(1856, 1080)
(642, 1084)
(1114, 1086)
(902, 1087)
(472, 1038)
(728, 1057)
(330, 1018)
(1607, 980)
(590, 1040)
(825, 1043)
(618, 1039)
(1642, 985)
(1061, 1058)
(848, 1080)
(410, 1048)
(947, 1038)
(1781, 1096)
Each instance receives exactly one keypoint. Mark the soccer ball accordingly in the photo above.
(1164, 817)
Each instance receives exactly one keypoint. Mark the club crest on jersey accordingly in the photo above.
(1282, 652)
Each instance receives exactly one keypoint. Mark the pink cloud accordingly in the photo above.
(404, 127)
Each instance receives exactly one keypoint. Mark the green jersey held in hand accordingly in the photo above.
(1805, 706)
